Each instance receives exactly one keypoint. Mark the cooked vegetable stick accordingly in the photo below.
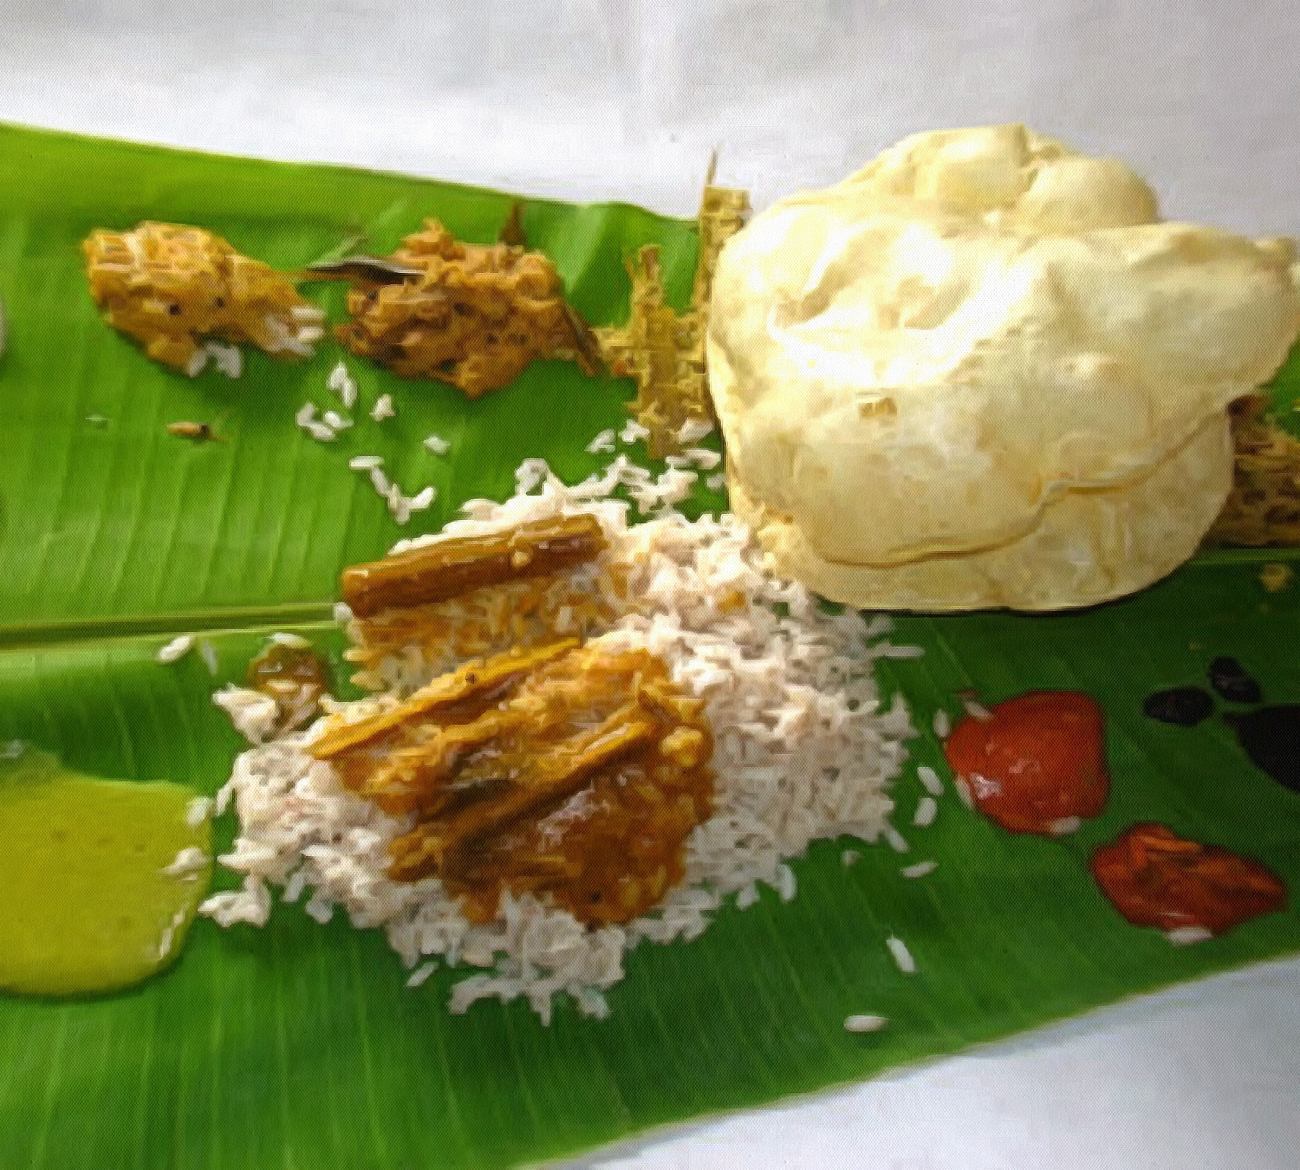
(448, 568)
(476, 679)
(428, 848)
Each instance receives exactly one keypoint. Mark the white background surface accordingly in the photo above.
(592, 99)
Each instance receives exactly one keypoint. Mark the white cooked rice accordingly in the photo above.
(253, 714)
(423, 499)
(703, 458)
(176, 649)
(632, 432)
(693, 430)
(342, 383)
(930, 780)
(602, 444)
(927, 808)
(208, 652)
(421, 973)
(942, 724)
(901, 955)
(383, 408)
(189, 861)
(919, 869)
(897, 842)
(803, 751)
(436, 445)
(229, 359)
(1183, 936)
(865, 1023)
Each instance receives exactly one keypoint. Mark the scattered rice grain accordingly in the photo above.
(919, 869)
(929, 779)
(421, 973)
(897, 842)
(1182, 936)
(602, 444)
(177, 648)
(864, 1023)
(693, 430)
(901, 955)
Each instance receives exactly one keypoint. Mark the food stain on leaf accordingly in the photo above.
(1270, 736)
(1182, 706)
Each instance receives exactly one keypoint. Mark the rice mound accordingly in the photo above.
(804, 750)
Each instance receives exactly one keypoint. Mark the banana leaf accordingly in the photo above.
(298, 1045)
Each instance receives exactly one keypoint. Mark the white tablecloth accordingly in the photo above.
(592, 99)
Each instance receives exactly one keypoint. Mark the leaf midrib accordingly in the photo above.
(29, 635)
(237, 619)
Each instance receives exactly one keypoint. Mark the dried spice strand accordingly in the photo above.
(448, 568)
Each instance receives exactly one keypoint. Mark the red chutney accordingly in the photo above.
(1037, 761)
(1157, 878)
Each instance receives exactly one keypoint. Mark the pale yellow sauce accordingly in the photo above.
(86, 902)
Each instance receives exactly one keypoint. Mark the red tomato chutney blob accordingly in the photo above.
(1036, 763)
(1156, 878)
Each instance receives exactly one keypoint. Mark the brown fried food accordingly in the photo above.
(170, 287)
(662, 349)
(575, 772)
(1263, 508)
(450, 567)
(475, 317)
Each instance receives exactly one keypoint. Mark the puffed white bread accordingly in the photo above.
(981, 373)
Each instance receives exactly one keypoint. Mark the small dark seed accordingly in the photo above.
(174, 310)
(1229, 678)
(1181, 706)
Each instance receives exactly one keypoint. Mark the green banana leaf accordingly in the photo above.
(298, 1046)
